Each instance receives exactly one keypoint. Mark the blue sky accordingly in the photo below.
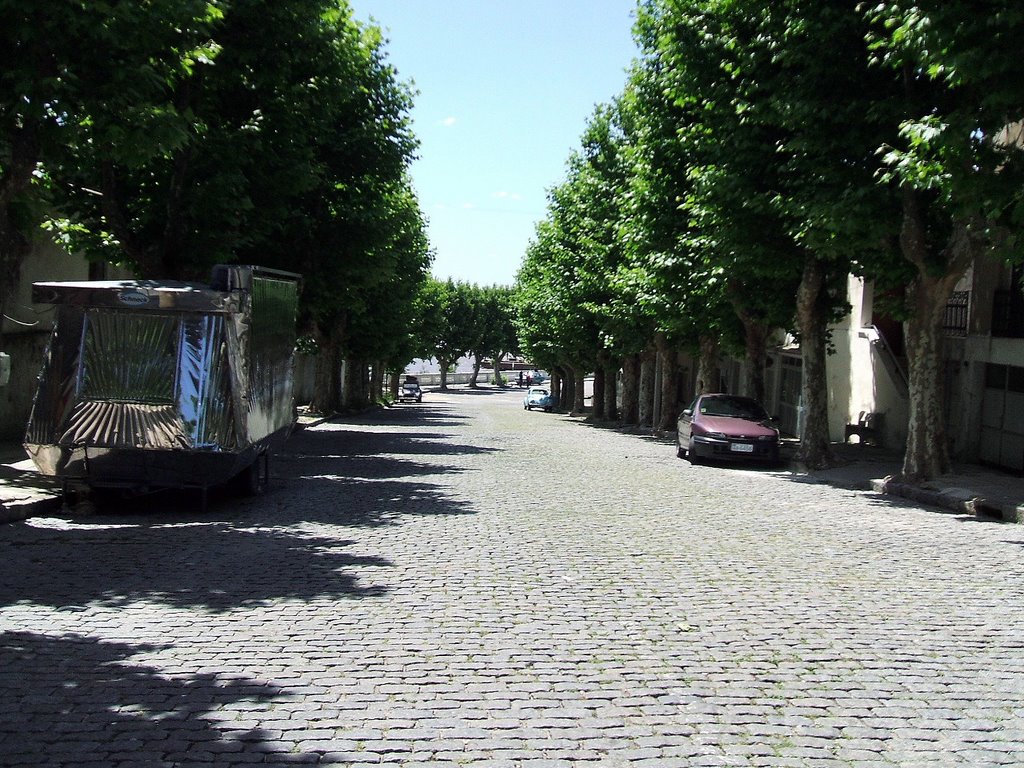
(505, 90)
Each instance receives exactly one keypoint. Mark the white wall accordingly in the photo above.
(27, 333)
(858, 379)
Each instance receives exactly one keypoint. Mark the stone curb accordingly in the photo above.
(21, 509)
(958, 500)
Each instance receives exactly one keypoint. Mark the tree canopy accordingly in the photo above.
(758, 154)
(172, 135)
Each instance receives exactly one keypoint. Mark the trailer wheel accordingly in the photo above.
(249, 482)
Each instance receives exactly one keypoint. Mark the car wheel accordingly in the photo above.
(691, 453)
(680, 451)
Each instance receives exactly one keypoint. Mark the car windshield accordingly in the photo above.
(732, 406)
(539, 392)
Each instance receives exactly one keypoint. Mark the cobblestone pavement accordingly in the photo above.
(463, 582)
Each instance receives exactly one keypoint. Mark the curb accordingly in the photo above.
(12, 511)
(957, 500)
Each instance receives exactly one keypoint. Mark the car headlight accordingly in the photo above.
(716, 435)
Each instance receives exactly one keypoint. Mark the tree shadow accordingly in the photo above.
(73, 699)
(459, 390)
(895, 503)
(408, 414)
(166, 548)
(329, 444)
(213, 565)
(13, 476)
(360, 476)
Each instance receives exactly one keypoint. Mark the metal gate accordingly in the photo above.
(1002, 417)
(790, 388)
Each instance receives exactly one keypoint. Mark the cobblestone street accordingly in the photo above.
(464, 582)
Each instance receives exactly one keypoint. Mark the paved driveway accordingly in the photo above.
(463, 582)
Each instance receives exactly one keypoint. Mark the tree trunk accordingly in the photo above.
(648, 364)
(707, 366)
(443, 363)
(326, 376)
(377, 382)
(812, 322)
(597, 401)
(755, 340)
(611, 390)
(579, 404)
(14, 249)
(927, 453)
(568, 399)
(631, 389)
(669, 386)
(497, 369)
(16, 179)
(354, 394)
(478, 363)
(556, 385)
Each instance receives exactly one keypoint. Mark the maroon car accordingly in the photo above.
(727, 427)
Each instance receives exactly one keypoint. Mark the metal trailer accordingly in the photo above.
(164, 384)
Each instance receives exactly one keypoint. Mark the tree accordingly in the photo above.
(494, 334)
(571, 265)
(674, 283)
(737, 234)
(379, 333)
(75, 73)
(294, 156)
(445, 327)
(958, 176)
(796, 196)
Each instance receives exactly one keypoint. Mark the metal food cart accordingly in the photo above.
(166, 384)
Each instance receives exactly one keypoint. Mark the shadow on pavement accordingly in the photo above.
(356, 474)
(19, 478)
(331, 443)
(458, 390)
(163, 548)
(73, 700)
(212, 565)
(419, 414)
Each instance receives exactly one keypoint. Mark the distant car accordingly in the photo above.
(410, 391)
(538, 397)
(727, 427)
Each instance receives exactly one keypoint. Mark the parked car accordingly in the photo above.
(538, 397)
(727, 427)
(410, 391)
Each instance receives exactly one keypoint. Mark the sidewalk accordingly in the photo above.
(970, 489)
(23, 491)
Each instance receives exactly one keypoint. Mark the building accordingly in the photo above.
(983, 375)
(27, 326)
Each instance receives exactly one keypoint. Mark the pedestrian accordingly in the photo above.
(520, 378)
